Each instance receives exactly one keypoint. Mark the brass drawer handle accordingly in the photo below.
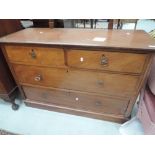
(98, 103)
(104, 60)
(38, 78)
(33, 54)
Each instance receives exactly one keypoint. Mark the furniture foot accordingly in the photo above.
(15, 106)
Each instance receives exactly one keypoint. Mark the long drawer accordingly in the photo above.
(79, 101)
(114, 84)
(113, 61)
(36, 55)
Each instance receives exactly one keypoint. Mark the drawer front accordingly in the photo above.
(80, 101)
(112, 61)
(113, 84)
(36, 55)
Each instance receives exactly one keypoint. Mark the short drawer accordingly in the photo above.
(79, 101)
(36, 55)
(112, 61)
(96, 82)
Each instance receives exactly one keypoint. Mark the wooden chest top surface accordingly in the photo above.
(90, 72)
(98, 38)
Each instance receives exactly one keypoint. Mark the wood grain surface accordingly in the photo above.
(126, 39)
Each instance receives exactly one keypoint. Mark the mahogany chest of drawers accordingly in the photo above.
(88, 72)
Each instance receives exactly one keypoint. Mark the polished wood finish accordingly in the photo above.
(101, 70)
(79, 101)
(112, 61)
(112, 84)
(36, 56)
(93, 38)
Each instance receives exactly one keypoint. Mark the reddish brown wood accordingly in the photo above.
(112, 61)
(113, 71)
(79, 101)
(36, 56)
(6, 79)
(102, 83)
(66, 37)
(8, 26)
(8, 87)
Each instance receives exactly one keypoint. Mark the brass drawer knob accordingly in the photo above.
(33, 54)
(98, 103)
(38, 78)
(104, 60)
